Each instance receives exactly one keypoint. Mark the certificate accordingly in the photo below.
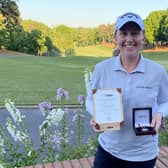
(108, 109)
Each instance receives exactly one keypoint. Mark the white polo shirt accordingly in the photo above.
(146, 86)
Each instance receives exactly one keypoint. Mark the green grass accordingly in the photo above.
(159, 57)
(96, 51)
(31, 79)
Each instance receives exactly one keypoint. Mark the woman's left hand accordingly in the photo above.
(156, 121)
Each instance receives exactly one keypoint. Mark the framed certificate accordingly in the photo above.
(108, 109)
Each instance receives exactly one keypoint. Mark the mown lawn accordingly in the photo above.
(28, 79)
(31, 79)
(96, 51)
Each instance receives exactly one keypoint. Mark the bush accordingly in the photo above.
(163, 136)
(55, 135)
(70, 52)
(54, 52)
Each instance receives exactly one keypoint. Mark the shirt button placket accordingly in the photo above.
(128, 84)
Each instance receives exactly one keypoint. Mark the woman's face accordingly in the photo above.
(129, 40)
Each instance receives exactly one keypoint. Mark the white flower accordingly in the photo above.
(55, 116)
(42, 130)
(1, 166)
(1, 141)
(44, 124)
(87, 78)
(21, 136)
(17, 135)
(14, 112)
(29, 153)
(11, 129)
(2, 145)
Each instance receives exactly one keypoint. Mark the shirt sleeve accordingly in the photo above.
(163, 94)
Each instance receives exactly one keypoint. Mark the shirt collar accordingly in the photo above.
(140, 67)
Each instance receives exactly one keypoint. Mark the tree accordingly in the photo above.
(105, 33)
(110, 31)
(3, 33)
(18, 40)
(10, 13)
(9, 9)
(36, 41)
(29, 25)
(162, 34)
(83, 35)
(63, 38)
(152, 24)
(102, 33)
(92, 37)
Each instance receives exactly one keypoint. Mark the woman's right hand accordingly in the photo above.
(95, 126)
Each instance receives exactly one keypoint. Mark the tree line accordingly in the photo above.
(36, 38)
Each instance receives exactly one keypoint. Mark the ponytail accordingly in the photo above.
(115, 52)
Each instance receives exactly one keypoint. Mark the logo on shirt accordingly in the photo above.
(108, 95)
(144, 87)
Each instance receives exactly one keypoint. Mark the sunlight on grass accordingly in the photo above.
(32, 79)
(96, 51)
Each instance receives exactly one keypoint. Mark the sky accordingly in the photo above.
(85, 13)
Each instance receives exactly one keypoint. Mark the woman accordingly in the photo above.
(144, 84)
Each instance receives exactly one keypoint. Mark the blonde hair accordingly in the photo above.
(115, 52)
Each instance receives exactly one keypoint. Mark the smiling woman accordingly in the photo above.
(129, 39)
(128, 70)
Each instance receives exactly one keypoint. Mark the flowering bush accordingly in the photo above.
(79, 117)
(10, 155)
(17, 149)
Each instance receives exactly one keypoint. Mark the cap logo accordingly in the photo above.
(129, 15)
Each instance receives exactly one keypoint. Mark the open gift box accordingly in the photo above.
(142, 118)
